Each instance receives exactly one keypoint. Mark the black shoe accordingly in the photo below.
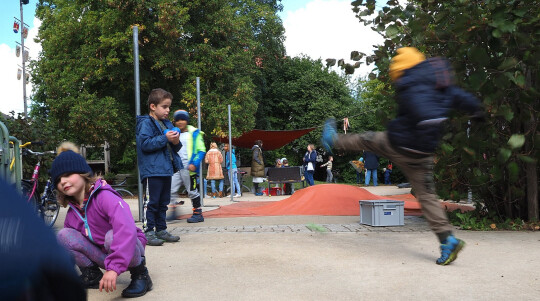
(140, 281)
(166, 236)
(197, 216)
(152, 239)
(90, 276)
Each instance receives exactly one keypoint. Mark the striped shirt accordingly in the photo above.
(328, 165)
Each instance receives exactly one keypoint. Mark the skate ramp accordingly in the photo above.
(323, 199)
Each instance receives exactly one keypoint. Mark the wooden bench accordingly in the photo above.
(284, 175)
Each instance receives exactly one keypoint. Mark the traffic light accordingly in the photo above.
(25, 1)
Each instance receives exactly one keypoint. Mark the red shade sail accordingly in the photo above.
(271, 139)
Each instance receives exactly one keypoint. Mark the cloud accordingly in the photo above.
(328, 29)
(12, 89)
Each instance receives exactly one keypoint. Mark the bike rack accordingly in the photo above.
(6, 155)
(17, 176)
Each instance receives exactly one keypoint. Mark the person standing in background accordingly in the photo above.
(257, 166)
(310, 159)
(215, 172)
(371, 163)
(328, 165)
(232, 168)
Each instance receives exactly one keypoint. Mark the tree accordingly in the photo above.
(301, 93)
(84, 75)
(488, 44)
(375, 106)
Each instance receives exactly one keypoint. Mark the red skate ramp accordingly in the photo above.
(323, 199)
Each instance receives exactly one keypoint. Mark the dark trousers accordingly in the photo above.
(309, 177)
(159, 191)
(418, 170)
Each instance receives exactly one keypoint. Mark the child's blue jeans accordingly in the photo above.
(213, 185)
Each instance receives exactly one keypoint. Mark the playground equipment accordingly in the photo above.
(99, 165)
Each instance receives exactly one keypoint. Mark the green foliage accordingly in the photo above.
(84, 75)
(34, 129)
(479, 220)
(300, 93)
(488, 44)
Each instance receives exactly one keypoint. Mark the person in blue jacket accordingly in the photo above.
(236, 190)
(371, 164)
(157, 155)
(310, 159)
(425, 95)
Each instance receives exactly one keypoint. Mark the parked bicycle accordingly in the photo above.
(46, 204)
(121, 188)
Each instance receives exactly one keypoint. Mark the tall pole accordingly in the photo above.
(137, 109)
(231, 184)
(23, 62)
(201, 180)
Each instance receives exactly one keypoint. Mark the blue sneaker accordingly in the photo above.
(450, 250)
(328, 134)
(197, 216)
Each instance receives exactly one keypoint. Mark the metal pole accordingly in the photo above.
(230, 155)
(137, 109)
(23, 67)
(201, 180)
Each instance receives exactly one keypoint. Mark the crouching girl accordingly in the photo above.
(99, 230)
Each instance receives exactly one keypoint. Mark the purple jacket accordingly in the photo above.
(106, 210)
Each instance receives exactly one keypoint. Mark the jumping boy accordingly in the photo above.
(425, 95)
(191, 153)
(158, 161)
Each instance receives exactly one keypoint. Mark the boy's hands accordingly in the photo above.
(173, 137)
(108, 281)
(192, 167)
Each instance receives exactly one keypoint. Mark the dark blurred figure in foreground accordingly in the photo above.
(425, 94)
(33, 265)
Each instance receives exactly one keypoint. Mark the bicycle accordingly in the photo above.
(122, 191)
(46, 205)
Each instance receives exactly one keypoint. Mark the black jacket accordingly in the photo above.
(371, 161)
(425, 95)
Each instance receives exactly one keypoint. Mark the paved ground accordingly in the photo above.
(288, 258)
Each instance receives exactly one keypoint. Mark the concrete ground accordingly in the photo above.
(332, 258)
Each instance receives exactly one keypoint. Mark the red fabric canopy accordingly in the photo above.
(271, 139)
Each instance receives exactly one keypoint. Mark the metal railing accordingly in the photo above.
(7, 155)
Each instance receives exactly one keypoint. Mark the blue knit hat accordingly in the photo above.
(181, 115)
(68, 162)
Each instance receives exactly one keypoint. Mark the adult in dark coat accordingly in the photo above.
(257, 166)
(371, 163)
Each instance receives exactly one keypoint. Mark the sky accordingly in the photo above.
(315, 28)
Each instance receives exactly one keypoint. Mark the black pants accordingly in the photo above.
(159, 191)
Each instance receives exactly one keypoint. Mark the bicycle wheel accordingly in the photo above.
(27, 187)
(49, 207)
(124, 192)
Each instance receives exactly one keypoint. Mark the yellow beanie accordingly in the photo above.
(407, 57)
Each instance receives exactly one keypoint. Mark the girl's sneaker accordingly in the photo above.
(90, 276)
(449, 250)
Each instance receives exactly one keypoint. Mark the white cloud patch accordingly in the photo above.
(328, 29)
(12, 89)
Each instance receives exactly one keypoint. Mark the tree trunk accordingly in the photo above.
(532, 191)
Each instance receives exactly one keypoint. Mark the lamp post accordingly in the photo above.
(23, 2)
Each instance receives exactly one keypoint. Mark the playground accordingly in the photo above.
(328, 257)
